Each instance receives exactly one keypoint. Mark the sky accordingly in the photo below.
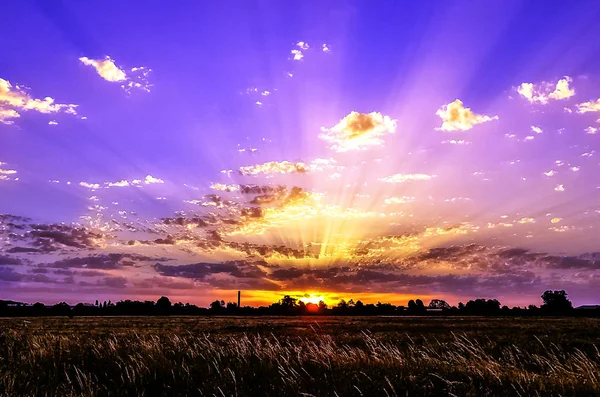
(381, 151)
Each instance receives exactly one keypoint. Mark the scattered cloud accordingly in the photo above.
(592, 130)
(537, 130)
(456, 117)
(559, 188)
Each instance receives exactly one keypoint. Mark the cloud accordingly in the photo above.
(122, 183)
(456, 117)
(151, 180)
(90, 185)
(106, 68)
(109, 71)
(358, 131)
(14, 99)
(559, 188)
(537, 130)
(541, 93)
(591, 106)
(591, 130)
(225, 187)
(102, 262)
(399, 200)
(401, 178)
(274, 167)
(4, 173)
(201, 271)
(526, 220)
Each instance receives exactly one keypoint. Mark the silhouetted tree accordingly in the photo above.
(556, 302)
(438, 304)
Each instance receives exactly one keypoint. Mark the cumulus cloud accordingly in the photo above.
(358, 131)
(15, 99)
(559, 188)
(541, 93)
(456, 117)
(109, 71)
(401, 178)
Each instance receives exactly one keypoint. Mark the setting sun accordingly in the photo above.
(312, 298)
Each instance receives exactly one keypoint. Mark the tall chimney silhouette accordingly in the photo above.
(239, 296)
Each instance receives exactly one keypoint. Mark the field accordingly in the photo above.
(300, 356)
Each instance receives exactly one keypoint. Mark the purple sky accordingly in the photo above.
(381, 151)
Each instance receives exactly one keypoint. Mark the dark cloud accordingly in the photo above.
(18, 250)
(76, 237)
(199, 271)
(108, 282)
(102, 262)
(9, 260)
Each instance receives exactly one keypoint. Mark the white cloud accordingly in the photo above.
(575, 169)
(150, 179)
(302, 45)
(14, 99)
(358, 131)
(541, 93)
(537, 130)
(325, 48)
(52, 122)
(122, 183)
(591, 130)
(297, 55)
(456, 117)
(90, 185)
(401, 178)
(529, 138)
(559, 188)
(109, 71)
(550, 173)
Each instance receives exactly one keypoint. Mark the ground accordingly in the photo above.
(285, 356)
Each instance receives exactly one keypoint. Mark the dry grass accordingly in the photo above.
(320, 357)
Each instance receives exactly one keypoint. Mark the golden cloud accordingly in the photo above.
(456, 117)
(358, 131)
(274, 167)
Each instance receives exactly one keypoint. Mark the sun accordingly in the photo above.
(312, 298)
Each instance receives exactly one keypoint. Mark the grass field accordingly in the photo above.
(291, 356)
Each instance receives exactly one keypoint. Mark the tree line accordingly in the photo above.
(554, 303)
